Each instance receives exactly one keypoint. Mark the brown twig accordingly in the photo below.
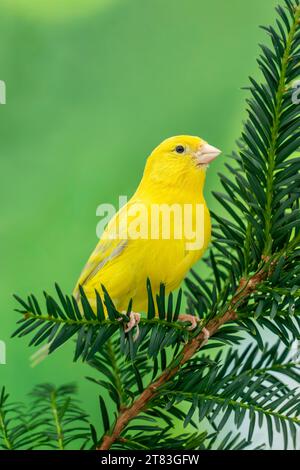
(246, 288)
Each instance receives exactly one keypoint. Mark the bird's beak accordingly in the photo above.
(207, 154)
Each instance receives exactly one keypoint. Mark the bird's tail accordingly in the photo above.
(39, 355)
(76, 294)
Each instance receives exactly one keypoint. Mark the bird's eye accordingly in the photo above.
(179, 149)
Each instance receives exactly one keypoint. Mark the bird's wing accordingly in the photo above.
(113, 242)
(105, 251)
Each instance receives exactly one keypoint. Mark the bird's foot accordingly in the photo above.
(194, 323)
(206, 335)
(134, 320)
(184, 317)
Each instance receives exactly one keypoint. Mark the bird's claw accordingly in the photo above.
(206, 334)
(190, 318)
(134, 320)
(194, 323)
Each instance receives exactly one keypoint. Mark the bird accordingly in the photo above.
(137, 246)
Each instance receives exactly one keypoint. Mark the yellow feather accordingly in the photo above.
(123, 263)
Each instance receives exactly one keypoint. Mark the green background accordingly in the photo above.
(92, 87)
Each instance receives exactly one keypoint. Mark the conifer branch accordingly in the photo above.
(58, 425)
(275, 131)
(266, 146)
(254, 267)
(246, 288)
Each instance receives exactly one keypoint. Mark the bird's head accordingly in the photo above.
(180, 161)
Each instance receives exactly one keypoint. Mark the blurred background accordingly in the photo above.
(92, 87)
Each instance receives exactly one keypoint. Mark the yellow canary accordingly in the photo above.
(159, 234)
